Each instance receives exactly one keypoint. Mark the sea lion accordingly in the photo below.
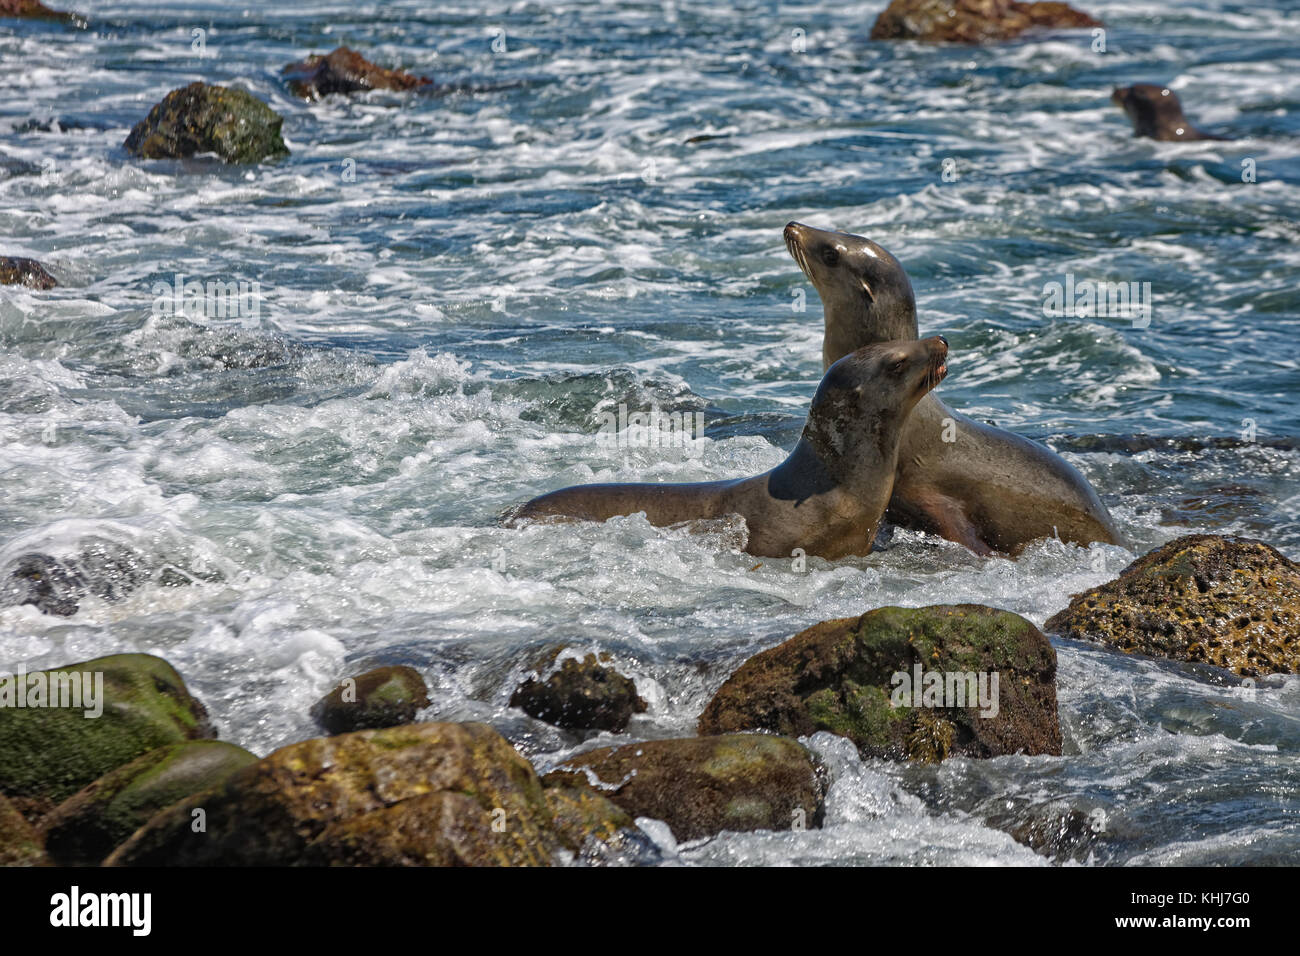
(827, 497)
(980, 486)
(1156, 113)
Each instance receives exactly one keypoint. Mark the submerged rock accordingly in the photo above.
(50, 752)
(345, 71)
(858, 677)
(700, 786)
(20, 845)
(15, 270)
(58, 585)
(580, 695)
(90, 824)
(432, 794)
(201, 118)
(972, 21)
(383, 697)
(1229, 602)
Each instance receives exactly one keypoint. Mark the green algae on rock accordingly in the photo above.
(202, 118)
(700, 786)
(90, 824)
(15, 270)
(431, 794)
(51, 752)
(20, 844)
(1225, 601)
(840, 676)
(383, 697)
(973, 21)
(580, 695)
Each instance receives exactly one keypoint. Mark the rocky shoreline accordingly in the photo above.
(113, 761)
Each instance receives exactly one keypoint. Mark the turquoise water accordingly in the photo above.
(454, 286)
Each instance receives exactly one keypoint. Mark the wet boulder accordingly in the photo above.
(345, 71)
(430, 794)
(700, 786)
(90, 824)
(580, 695)
(383, 697)
(919, 684)
(66, 727)
(973, 21)
(35, 10)
(1225, 601)
(202, 118)
(15, 270)
(20, 844)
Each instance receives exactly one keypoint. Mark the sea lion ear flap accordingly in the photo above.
(866, 289)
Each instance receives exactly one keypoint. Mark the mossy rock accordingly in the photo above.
(1225, 601)
(700, 786)
(344, 70)
(430, 794)
(839, 676)
(973, 21)
(90, 824)
(383, 697)
(20, 844)
(580, 695)
(201, 118)
(50, 753)
(15, 270)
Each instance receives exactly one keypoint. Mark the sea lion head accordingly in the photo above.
(865, 397)
(1154, 111)
(864, 290)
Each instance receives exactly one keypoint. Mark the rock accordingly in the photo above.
(28, 272)
(1225, 601)
(50, 753)
(201, 118)
(703, 785)
(430, 794)
(383, 697)
(20, 845)
(90, 824)
(35, 10)
(58, 585)
(840, 676)
(972, 21)
(580, 695)
(345, 71)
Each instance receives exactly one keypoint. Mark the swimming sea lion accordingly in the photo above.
(1156, 113)
(983, 487)
(827, 497)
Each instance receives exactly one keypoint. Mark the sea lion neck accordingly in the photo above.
(850, 325)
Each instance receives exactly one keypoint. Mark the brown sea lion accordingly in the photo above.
(1156, 113)
(827, 497)
(983, 487)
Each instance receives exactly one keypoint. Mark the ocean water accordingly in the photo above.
(454, 287)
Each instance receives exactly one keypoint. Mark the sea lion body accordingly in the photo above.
(986, 488)
(827, 497)
(1157, 114)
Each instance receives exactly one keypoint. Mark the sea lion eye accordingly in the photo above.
(830, 256)
(897, 365)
